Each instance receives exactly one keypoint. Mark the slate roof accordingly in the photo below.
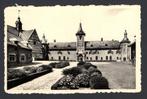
(12, 35)
(25, 35)
(89, 45)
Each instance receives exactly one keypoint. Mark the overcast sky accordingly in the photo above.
(62, 22)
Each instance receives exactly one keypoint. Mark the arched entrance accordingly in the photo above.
(80, 57)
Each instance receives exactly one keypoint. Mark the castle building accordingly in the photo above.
(22, 45)
(81, 50)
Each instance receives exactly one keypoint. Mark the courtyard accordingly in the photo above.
(119, 76)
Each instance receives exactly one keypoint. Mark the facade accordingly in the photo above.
(82, 50)
(26, 37)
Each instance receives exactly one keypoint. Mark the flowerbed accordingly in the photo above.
(83, 75)
(18, 76)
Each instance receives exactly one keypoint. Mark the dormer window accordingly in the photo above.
(91, 45)
(110, 52)
(59, 52)
(68, 52)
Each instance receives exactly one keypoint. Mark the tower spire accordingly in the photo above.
(18, 23)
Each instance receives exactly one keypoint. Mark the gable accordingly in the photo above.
(34, 36)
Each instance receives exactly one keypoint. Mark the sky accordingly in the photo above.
(61, 23)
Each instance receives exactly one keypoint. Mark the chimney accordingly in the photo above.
(54, 41)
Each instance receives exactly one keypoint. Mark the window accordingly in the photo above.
(52, 58)
(67, 58)
(110, 52)
(22, 58)
(68, 52)
(12, 57)
(96, 58)
(87, 57)
(101, 58)
(64, 58)
(124, 59)
(90, 58)
(59, 57)
(34, 42)
(117, 58)
(106, 57)
(110, 57)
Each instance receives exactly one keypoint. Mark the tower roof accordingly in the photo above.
(43, 39)
(125, 39)
(80, 31)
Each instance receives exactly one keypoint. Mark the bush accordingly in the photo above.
(72, 71)
(16, 73)
(81, 63)
(30, 70)
(64, 83)
(82, 80)
(62, 64)
(92, 70)
(53, 64)
(86, 65)
(97, 82)
(46, 67)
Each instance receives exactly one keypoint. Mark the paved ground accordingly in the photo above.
(120, 76)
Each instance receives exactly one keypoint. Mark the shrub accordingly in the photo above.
(46, 67)
(30, 70)
(72, 71)
(86, 65)
(62, 64)
(81, 63)
(97, 82)
(16, 73)
(92, 70)
(53, 64)
(64, 83)
(82, 80)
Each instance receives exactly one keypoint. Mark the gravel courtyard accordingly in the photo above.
(119, 75)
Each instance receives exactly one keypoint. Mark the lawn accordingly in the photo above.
(119, 75)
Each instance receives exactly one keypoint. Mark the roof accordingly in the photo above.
(62, 45)
(89, 45)
(80, 31)
(25, 35)
(13, 36)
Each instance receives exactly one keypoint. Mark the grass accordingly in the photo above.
(119, 75)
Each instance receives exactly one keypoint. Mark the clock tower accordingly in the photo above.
(80, 45)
